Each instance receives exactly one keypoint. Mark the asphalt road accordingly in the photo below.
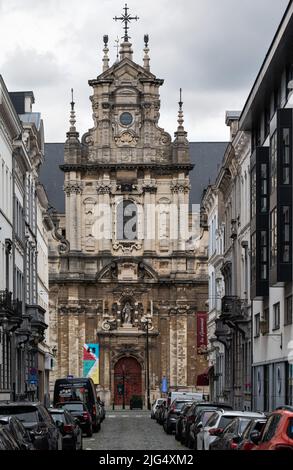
(131, 430)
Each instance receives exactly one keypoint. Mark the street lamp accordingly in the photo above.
(146, 320)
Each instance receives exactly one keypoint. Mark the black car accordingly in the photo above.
(172, 413)
(178, 427)
(191, 417)
(36, 420)
(18, 431)
(79, 410)
(69, 428)
(231, 436)
(80, 389)
(7, 441)
(200, 421)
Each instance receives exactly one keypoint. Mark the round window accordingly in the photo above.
(126, 119)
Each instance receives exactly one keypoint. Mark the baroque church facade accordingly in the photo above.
(123, 274)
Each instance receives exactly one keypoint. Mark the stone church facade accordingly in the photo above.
(122, 272)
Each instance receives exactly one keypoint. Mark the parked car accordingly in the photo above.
(79, 389)
(231, 436)
(277, 434)
(178, 426)
(160, 412)
(7, 441)
(217, 423)
(254, 425)
(155, 406)
(69, 428)
(187, 396)
(18, 431)
(79, 410)
(201, 419)
(103, 409)
(191, 417)
(37, 420)
(171, 414)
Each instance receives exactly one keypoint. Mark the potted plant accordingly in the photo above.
(136, 402)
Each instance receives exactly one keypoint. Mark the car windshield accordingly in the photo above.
(206, 416)
(58, 417)
(243, 424)
(24, 414)
(225, 420)
(73, 392)
(72, 406)
(179, 404)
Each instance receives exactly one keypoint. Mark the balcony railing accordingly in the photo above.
(231, 306)
(6, 301)
(8, 306)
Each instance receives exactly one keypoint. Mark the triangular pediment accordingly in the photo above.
(126, 69)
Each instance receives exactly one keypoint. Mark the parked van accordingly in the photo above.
(194, 396)
(79, 389)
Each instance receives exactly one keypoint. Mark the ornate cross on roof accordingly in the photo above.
(126, 18)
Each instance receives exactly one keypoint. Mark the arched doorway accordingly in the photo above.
(127, 380)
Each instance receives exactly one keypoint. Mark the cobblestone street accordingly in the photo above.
(131, 430)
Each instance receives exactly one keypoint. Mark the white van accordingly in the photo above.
(194, 396)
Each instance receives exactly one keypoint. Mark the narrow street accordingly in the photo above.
(131, 430)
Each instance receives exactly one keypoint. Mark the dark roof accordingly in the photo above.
(18, 100)
(206, 157)
(52, 177)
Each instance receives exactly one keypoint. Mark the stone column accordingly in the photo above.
(182, 350)
(174, 219)
(78, 216)
(148, 222)
(153, 241)
(108, 233)
(173, 349)
(182, 219)
(73, 351)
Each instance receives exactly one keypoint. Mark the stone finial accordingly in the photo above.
(180, 134)
(180, 112)
(106, 51)
(72, 114)
(146, 59)
(72, 133)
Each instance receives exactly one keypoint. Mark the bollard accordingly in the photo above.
(113, 406)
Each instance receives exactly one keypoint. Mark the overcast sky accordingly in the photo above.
(211, 48)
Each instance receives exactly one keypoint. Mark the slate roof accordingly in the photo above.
(206, 156)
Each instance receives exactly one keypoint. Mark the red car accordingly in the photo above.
(256, 424)
(277, 433)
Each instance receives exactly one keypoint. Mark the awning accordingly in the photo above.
(203, 379)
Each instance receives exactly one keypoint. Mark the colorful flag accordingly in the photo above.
(91, 356)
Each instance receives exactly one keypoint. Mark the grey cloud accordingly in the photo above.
(32, 69)
(211, 48)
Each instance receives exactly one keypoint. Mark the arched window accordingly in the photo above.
(126, 220)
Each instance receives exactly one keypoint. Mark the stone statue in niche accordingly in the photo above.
(126, 314)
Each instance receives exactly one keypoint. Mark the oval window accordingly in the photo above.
(126, 119)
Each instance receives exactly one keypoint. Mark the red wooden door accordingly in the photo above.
(127, 372)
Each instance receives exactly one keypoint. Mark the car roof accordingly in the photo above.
(20, 403)
(56, 410)
(70, 402)
(248, 414)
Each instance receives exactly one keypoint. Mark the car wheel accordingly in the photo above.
(97, 427)
(90, 432)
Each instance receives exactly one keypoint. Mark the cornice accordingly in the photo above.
(159, 167)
